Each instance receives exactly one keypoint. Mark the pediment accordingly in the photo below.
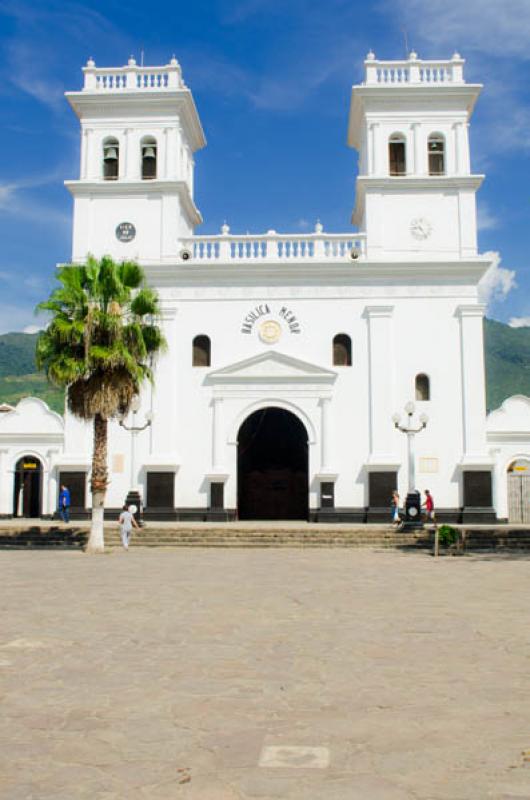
(272, 367)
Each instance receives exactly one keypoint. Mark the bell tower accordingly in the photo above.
(415, 195)
(139, 131)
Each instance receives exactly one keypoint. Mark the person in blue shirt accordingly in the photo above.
(64, 504)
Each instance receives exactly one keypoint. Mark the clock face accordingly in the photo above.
(420, 228)
(270, 331)
(125, 232)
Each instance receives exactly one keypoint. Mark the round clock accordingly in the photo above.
(125, 232)
(420, 228)
(270, 331)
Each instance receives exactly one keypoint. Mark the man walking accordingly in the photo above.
(429, 506)
(127, 523)
(64, 504)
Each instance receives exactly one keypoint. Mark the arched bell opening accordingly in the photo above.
(27, 499)
(273, 466)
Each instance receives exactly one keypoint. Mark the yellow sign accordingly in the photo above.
(29, 465)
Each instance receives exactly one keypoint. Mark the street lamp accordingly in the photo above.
(133, 497)
(413, 501)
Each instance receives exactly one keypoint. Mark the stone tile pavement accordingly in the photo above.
(228, 674)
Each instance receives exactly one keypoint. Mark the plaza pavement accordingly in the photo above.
(227, 674)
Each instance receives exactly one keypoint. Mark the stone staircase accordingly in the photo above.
(23, 534)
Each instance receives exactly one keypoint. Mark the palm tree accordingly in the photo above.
(99, 345)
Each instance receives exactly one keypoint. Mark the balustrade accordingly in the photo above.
(413, 71)
(133, 77)
(273, 246)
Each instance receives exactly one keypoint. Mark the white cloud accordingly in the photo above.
(497, 282)
(15, 318)
(486, 220)
(519, 322)
(32, 329)
(499, 28)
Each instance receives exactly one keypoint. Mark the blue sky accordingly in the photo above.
(271, 79)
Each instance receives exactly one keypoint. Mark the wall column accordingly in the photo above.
(165, 396)
(325, 425)
(51, 495)
(473, 379)
(6, 484)
(380, 380)
(217, 433)
(417, 167)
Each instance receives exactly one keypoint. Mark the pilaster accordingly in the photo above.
(473, 382)
(380, 381)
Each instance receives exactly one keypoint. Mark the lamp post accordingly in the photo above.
(133, 497)
(413, 502)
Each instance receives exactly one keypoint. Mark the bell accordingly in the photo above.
(149, 152)
(111, 154)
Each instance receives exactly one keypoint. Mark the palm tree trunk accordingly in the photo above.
(96, 542)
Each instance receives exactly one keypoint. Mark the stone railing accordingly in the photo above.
(133, 78)
(273, 247)
(413, 71)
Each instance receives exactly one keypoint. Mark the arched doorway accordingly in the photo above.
(272, 466)
(28, 487)
(519, 491)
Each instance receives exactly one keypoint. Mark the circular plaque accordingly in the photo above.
(270, 331)
(125, 232)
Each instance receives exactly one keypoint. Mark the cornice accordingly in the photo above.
(124, 189)
(115, 104)
(407, 183)
(361, 272)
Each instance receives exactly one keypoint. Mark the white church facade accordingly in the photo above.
(289, 356)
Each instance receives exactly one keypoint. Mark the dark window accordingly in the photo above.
(380, 488)
(423, 387)
(327, 494)
(342, 350)
(111, 159)
(436, 149)
(477, 489)
(160, 490)
(397, 156)
(75, 482)
(201, 351)
(217, 495)
(149, 153)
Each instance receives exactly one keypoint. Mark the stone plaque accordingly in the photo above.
(125, 232)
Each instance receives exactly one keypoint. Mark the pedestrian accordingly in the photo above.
(429, 506)
(127, 523)
(64, 503)
(394, 508)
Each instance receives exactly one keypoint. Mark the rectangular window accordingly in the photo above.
(477, 489)
(160, 490)
(380, 488)
(327, 494)
(75, 482)
(217, 495)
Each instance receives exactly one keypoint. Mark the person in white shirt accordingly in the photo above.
(127, 523)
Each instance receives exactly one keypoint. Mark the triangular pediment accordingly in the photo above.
(271, 367)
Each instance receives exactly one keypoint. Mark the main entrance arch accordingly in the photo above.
(272, 466)
(27, 500)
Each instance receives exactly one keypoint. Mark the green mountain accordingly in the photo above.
(507, 353)
(507, 366)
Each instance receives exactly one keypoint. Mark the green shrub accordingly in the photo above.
(447, 535)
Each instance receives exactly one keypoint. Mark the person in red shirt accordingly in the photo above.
(429, 506)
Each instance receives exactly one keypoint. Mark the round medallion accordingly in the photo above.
(125, 232)
(420, 228)
(270, 331)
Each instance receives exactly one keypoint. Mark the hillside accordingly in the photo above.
(507, 353)
(507, 366)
